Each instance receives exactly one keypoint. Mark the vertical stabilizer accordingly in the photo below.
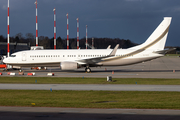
(157, 39)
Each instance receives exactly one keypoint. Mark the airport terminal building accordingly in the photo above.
(14, 47)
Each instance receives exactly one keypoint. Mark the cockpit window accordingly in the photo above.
(13, 56)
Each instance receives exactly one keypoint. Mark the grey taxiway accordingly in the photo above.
(47, 113)
(95, 87)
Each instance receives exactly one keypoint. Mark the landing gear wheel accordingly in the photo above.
(21, 71)
(88, 70)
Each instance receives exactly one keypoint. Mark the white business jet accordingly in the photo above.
(73, 59)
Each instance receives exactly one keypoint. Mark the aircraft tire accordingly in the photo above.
(88, 70)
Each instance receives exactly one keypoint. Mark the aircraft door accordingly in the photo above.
(23, 56)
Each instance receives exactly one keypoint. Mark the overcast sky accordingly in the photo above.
(125, 19)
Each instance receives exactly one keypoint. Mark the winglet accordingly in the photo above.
(109, 47)
(114, 51)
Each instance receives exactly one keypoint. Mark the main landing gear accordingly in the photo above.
(88, 70)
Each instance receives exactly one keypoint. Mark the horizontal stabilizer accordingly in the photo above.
(165, 51)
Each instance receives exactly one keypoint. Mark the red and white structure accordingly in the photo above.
(36, 24)
(8, 32)
(54, 28)
(67, 31)
(86, 37)
(77, 33)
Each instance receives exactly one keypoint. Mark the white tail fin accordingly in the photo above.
(157, 39)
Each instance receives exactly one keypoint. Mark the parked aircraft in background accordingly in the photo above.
(73, 59)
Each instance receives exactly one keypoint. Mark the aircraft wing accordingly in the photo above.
(95, 60)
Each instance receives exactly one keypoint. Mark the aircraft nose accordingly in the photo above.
(5, 60)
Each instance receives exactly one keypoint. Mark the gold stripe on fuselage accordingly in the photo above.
(140, 50)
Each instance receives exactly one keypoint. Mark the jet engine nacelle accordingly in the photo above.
(69, 65)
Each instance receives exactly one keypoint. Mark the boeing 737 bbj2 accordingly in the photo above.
(73, 59)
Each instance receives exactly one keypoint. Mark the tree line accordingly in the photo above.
(61, 43)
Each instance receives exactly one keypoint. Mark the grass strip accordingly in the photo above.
(75, 80)
(172, 54)
(91, 99)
